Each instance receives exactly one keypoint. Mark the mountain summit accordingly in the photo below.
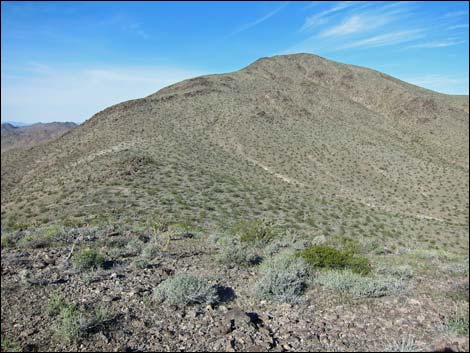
(299, 138)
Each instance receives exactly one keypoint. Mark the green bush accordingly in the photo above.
(7, 241)
(41, 237)
(87, 259)
(69, 324)
(459, 322)
(283, 277)
(55, 305)
(321, 256)
(52, 231)
(185, 289)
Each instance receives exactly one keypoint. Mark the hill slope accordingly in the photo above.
(31, 135)
(318, 146)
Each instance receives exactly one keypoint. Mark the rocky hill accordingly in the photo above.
(297, 204)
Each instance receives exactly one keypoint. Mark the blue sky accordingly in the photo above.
(67, 61)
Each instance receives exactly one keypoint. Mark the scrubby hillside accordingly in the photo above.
(318, 145)
(298, 204)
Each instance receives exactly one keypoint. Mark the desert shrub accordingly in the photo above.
(283, 277)
(359, 286)
(140, 263)
(425, 254)
(458, 267)
(117, 242)
(99, 319)
(68, 327)
(134, 246)
(159, 224)
(321, 256)
(232, 251)
(10, 346)
(41, 237)
(256, 231)
(88, 259)
(402, 271)
(404, 344)
(344, 243)
(53, 231)
(290, 240)
(55, 305)
(151, 250)
(458, 322)
(7, 241)
(186, 289)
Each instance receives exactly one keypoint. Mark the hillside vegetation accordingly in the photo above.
(318, 146)
(298, 204)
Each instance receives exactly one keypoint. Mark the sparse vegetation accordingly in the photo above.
(298, 209)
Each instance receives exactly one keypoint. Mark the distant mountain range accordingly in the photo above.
(26, 136)
(16, 123)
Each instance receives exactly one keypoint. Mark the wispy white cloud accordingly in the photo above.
(259, 20)
(351, 25)
(455, 14)
(435, 44)
(458, 26)
(361, 19)
(449, 84)
(385, 39)
(321, 18)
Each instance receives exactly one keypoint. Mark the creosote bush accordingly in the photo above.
(321, 256)
(186, 289)
(283, 277)
(88, 259)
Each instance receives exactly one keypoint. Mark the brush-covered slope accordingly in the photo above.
(31, 135)
(317, 145)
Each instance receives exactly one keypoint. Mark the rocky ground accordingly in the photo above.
(416, 320)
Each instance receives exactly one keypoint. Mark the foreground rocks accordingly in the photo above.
(323, 320)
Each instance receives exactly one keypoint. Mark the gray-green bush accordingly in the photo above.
(360, 286)
(283, 277)
(186, 289)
